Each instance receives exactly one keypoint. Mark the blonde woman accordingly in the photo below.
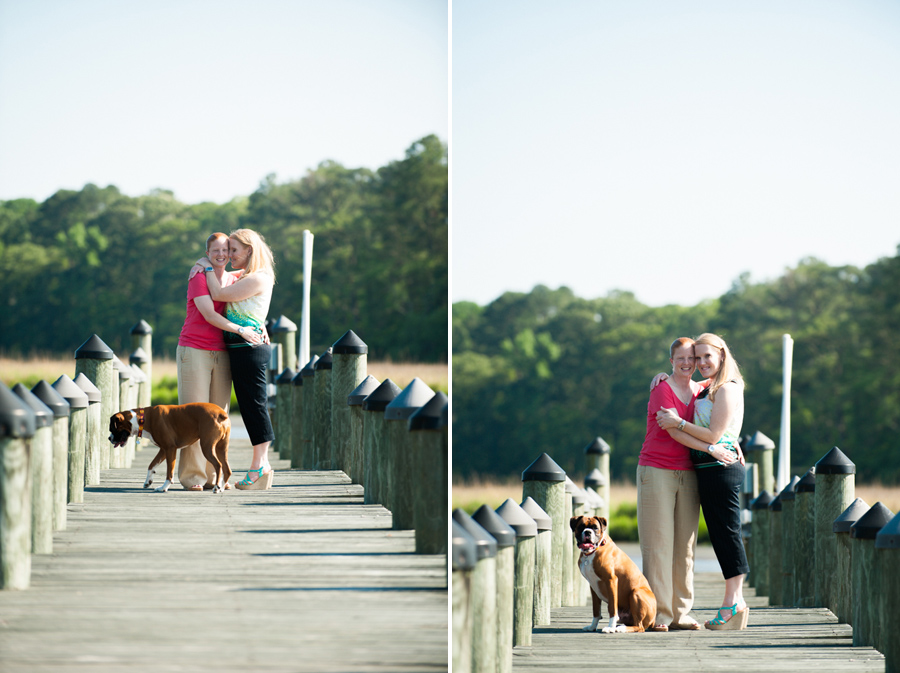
(248, 304)
(713, 438)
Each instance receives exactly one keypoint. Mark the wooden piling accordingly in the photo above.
(78, 403)
(776, 574)
(399, 493)
(864, 582)
(60, 453)
(887, 553)
(542, 561)
(545, 481)
(463, 560)
(835, 490)
(788, 504)
(349, 367)
(95, 431)
(484, 595)
(526, 532)
(428, 428)
(357, 430)
(308, 424)
(842, 595)
(597, 458)
(761, 542)
(805, 542)
(142, 357)
(322, 412)
(297, 420)
(374, 440)
(41, 471)
(505, 536)
(17, 427)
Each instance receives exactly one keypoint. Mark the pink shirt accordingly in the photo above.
(659, 449)
(197, 333)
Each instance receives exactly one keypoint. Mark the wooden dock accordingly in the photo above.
(777, 639)
(302, 577)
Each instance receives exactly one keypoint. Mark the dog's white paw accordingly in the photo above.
(164, 487)
(616, 629)
(147, 483)
(590, 627)
(218, 488)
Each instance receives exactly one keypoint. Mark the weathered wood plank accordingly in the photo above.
(777, 639)
(301, 577)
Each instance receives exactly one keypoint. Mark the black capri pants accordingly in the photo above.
(720, 489)
(248, 372)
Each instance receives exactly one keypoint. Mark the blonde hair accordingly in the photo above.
(728, 370)
(261, 258)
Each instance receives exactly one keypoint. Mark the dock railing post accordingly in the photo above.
(283, 407)
(887, 553)
(297, 420)
(835, 490)
(322, 421)
(374, 440)
(78, 403)
(543, 545)
(597, 458)
(93, 436)
(805, 541)
(545, 481)
(142, 356)
(463, 562)
(60, 459)
(505, 536)
(41, 472)
(348, 371)
(308, 424)
(776, 574)
(428, 428)
(17, 427)
(355, 401)
(862, 552)
(523, 599)
(842, 596)
(761, 542)
(484, 595)
(568, 560)
(788, 504)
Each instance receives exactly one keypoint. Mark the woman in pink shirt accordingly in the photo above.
(204, 372)
(668, 500)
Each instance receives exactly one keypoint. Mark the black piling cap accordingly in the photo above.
(759, 442)
(889, 536)
(350, 344)
(93, 392)
(139, 357)
(325, 361)
(485, 543)
(775, 505)
(43, 415)
(283, 324)
(464, 554)
(17, 419)
(298, 378)
(412, 398)
(310, 368)
(594, 479)
(535, 511)
(850, 516)
(807, 483)
(835, 462)
(789, 492)
(761, 501)
(871, 522)
(48, 395)
(517, 518)
(544, 469)
(493, 523)
(142, 328)
(74, 395)
(597, 446)
(94, 349)
(368, 386)
(383, 396)
(287, 376)
(430, 416)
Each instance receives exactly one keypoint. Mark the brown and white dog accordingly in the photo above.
(613, 577)
(172, 427)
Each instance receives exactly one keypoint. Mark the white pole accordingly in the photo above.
(784, 445)
(303, 351)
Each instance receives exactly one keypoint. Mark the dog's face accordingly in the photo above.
(120, 428)
(589, 531)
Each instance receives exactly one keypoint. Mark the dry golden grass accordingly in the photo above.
(494, 493)
(50, 368)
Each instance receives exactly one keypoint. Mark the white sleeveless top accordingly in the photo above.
(250, 312)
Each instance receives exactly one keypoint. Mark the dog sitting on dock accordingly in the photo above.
(614, 578)
(172, 427)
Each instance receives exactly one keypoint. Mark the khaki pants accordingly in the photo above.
(668, 518)
(203, 376)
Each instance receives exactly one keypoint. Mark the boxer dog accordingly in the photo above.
(172, 427)
(613, 577)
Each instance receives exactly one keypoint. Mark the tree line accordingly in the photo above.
(97, 260)
(548, 371)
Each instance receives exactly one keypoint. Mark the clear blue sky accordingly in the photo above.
(667, 147)
(207, 97)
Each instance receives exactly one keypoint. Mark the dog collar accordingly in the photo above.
(140, 419)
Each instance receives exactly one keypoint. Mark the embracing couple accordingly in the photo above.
(224, 339)
(691, 458)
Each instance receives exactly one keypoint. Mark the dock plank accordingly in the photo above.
(777, 639)
(302, 577)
